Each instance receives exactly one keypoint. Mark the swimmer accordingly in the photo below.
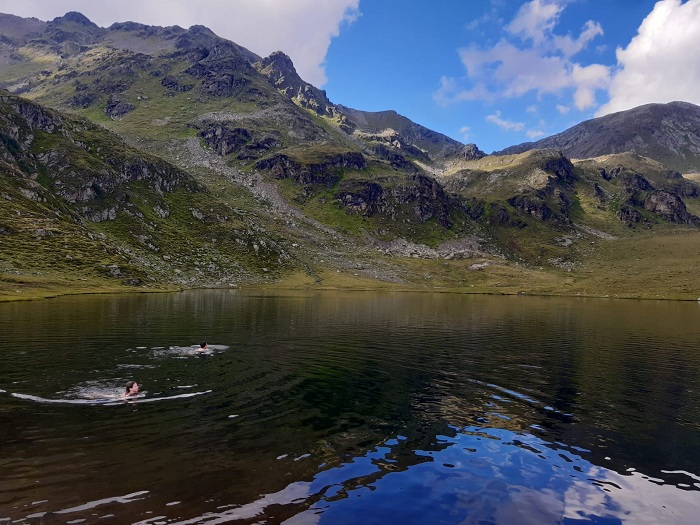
(132, 388)
(203, 347)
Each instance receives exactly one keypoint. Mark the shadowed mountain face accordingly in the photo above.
(76, 198)
(668, 133)
(201, 146)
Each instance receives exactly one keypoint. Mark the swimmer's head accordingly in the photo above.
(203, 345)
(132, 388)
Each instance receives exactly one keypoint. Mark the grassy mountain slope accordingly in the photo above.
(215, 94)
(267, 181)
(79, 200)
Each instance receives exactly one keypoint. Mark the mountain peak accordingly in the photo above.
(279, 69)
(279, 62)
(74, 16)
(198, 29)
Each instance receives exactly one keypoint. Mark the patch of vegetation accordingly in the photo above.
(545, 227)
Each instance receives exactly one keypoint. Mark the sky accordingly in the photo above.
(491, 72)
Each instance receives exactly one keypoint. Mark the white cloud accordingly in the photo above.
(530, 58)
(660, 63)
(303, 29)
(535, 20)
(587, 80)
(506, 125)
(512, 72)
(533, 134)
(465, 132)
(450, 92)
(563, 109)
(570, 46)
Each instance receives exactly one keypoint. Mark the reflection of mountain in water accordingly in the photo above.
(352, 407)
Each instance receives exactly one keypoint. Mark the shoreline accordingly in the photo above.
(364, 287)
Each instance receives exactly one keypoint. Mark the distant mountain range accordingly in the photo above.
(669, 133)
(153, 145)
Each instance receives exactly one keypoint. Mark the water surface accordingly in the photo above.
(349, 408)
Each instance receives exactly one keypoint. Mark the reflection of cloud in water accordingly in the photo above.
(135, 496)
(292, 493)
(478, 475)
(633, 497)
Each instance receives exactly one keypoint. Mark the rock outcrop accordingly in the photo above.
(420, 198)
(670, 207)
(80, 162)
(326, 172)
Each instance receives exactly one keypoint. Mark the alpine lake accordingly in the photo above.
(349, 407)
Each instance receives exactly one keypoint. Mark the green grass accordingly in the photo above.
(45, 253)
(662, 264)
(246, 243)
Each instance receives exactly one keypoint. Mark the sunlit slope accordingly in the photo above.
(225, 168)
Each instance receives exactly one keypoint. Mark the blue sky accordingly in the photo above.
(495, 73)
(491, 72)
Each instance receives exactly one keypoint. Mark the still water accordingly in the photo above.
(345, 408)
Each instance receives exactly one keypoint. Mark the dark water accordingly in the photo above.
(345, 408)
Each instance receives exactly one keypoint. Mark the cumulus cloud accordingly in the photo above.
(660, 63)
(506, 125)
(570, 46)
(465, 132)
(535, 20)
(530, 58)
(587, 80)
(302, 29)
(535, 134)
(450, 92)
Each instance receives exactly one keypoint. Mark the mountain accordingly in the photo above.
(383, 131)
(151, 157)
(77, 202)
(256, 113)
(211, 59)
(668, 133)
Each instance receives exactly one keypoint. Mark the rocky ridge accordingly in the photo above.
(329, 183)
(668, 133)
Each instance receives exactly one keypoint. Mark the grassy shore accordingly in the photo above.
(655, 266)
(27, 287)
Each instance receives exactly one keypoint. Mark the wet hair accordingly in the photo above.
(128, 386)
(203, 345)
